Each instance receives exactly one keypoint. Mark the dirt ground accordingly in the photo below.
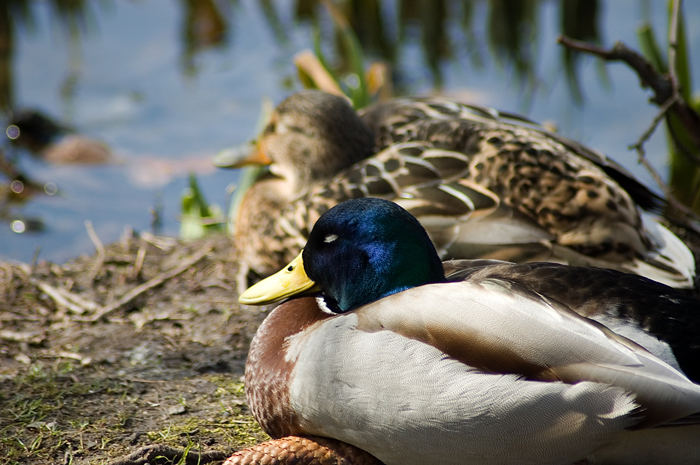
(138, 349)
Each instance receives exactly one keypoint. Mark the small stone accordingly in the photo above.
(178, 409)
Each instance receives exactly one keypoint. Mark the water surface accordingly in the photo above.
(165, 107)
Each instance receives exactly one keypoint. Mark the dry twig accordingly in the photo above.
(83, 359)
(163, 243)
(150, 284)
(138, 263)
(100, 258)
(64, 298)
(32, 337)
(673, 43)
(664, 86)
(158, 453)
(641, 153)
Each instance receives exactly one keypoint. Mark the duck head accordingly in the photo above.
(310, 137)
(358, 251)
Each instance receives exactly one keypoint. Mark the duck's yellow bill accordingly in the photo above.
(289, 281)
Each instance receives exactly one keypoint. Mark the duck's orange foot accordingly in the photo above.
(298, 450)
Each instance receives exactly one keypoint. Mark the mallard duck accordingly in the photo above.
(415, 367)
(479, 367)
(654, 315)
(484, 184)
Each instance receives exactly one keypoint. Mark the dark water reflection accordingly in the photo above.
(166, 85)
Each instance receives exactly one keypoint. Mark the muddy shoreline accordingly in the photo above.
(141, 344)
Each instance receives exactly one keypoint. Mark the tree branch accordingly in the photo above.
(665, 90)
(660, 84)
(664, 86)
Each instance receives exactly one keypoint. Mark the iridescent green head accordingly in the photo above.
(359, 251)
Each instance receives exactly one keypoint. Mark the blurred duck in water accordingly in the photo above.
(53, 141)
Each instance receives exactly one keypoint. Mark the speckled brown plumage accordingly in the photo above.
(454, 166)
(297, 450)
(529, 169)
(256, 222)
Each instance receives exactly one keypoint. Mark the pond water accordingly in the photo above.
(127, 77)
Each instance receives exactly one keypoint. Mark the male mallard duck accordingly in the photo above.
(476, 367)
(484, 184)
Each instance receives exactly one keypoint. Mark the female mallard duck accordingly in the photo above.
(484, 184)
(476, 367)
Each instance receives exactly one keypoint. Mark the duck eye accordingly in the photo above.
(330, 238)
(290, 268)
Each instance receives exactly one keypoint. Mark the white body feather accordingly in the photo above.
(624, 327)
(356, 379)
(670, 252)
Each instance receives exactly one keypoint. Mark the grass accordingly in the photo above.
(52, 413)
(42, 413)
(228, 420)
